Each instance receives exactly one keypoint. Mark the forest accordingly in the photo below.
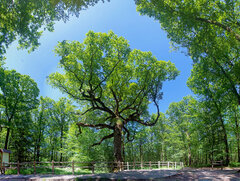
(109, 87)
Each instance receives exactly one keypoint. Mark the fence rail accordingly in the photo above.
(91, 166)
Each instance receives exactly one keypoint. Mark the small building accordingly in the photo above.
(5, 158)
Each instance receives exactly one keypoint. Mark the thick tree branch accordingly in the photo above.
(135, 99)
(95, 101)
(102, 126)
(91, 70)
(128, 134)
(70, 70)
(228, 29)
(116, 100)
(180, 13)
(104, 138)
(105, 78)
(104, 107)
(137, 118)
(228, 78)
(90, 109)
(66, 91)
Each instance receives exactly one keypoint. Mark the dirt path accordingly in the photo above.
(205, 175)
(125, 175)
(161, 175)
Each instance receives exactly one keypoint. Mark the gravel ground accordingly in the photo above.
(161, 175)
(125, 175)
(205, 175)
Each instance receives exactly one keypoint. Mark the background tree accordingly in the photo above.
(217, 99)
(209, 31)
(41, 118)
(25, 20)
(18, 94)
(181, 114)
(61, 114)
(22, 137)
(113, 84)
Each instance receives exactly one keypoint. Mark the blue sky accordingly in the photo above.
(120, 16)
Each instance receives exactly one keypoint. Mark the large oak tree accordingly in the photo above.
(113, 84)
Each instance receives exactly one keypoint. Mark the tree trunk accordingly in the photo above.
(7, 138)
(225, 141)
(189, 149)
(141, 151)
(61, 144)
(38, 148)
(237, 136)
(38, 153)
(189, 158)
(118, 144)
(206, 158)
(123, 148)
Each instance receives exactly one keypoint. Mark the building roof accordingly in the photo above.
(5, 151)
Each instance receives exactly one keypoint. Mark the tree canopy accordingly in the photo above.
(112, 82)
(113, 110)
(18, 94)
(210, 32)
(25, 20)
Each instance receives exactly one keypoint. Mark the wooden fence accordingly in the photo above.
(90, 166)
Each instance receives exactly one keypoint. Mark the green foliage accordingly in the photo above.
(234, 164)
(18, 95)
(210, 32)
(19, 92)
(57, 171)
(112, 83)
(25, 20)
(113, 86)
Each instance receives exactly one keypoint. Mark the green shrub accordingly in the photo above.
(234, 164)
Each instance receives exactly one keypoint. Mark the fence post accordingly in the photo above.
(18, 168)
(3, 169)
(73, 167)
(92, 167)
(119, 165)
(175, 165)
(168, 165)
(159, 165)
(127, 166)
(134, 165)
(150, 165)
(122, 166)
(141, 165)
(52, 167)
(34, 163)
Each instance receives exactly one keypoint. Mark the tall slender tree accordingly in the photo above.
(18, 94)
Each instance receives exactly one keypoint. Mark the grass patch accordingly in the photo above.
(234, 164)
(45, 171)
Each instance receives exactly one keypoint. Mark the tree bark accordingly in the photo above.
(225, 141)
(141, 151)
(61, 144)
(123, 148)
(237, 136)
(189, 149)
(38, 152)
(118, 144)
(7, 138)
